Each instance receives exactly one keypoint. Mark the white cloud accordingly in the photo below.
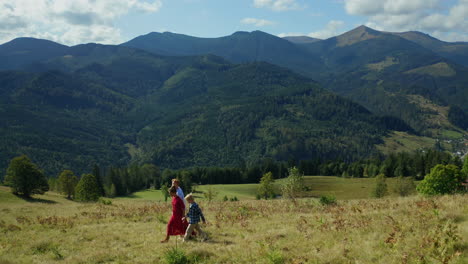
(430, 16)
(291, 34)
(68, 22)
(331, 29)
(257, 22)
(277, 5)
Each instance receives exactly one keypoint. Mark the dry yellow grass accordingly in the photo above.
(393, 230)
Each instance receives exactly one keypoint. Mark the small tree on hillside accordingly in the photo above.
(87, 189)
(210, 194)
(293, 185)
(165, 192)
(266, 189)
(67, 182)
(404, 186)
(443, 179)
(381, 188)
(25, 178)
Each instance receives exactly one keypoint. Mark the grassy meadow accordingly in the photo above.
(52, 229)
(341, 188)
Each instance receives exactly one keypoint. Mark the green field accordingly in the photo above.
(341, 188)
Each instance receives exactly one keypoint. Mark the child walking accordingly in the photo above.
(194, 214)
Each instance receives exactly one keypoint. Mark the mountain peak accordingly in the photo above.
(356, 35)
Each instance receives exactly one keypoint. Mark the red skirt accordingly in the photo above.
(176, 227)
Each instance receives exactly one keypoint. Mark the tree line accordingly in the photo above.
(27, 179)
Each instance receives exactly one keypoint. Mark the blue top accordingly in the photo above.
(195, 214)
(180, 193)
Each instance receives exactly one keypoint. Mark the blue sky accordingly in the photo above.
(115, 21)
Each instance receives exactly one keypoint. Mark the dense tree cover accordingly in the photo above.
(115, 105)
(416, 164)
(443, 179)
(458, 117)
(125, 180)
(25, 178)
(376, 70)
(67, 182)
(87, 189)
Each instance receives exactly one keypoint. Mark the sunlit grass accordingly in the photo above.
(390, 230)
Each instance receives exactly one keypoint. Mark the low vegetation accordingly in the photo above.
(389, 230)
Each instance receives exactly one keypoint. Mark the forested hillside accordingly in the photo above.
(379, 70)
(112, 105)
(70, 107)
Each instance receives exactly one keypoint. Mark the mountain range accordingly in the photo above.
(181, 101)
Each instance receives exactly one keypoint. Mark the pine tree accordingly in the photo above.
(97, 175)
(87, 189)
(25, 178)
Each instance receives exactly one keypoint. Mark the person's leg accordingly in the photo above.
(202, 234)
(189, 231)
(167, 236)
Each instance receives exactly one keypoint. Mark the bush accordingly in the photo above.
(293, 185)
(443, 179)
(275, 257)
(87, 189)
(381, 188)
(105, 201)
(266, 188)
(327, 200)
(176, 256)
(404, 186)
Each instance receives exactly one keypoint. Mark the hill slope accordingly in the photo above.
(176, 112)
(376, 69)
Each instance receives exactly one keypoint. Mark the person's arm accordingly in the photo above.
(201, 215)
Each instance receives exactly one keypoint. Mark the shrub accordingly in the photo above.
(275, 257)
(176, 256)
(266, 189)
(404, 186)
(210, 194)
(293, 185)
(105, 201)
(225, 199)
(327, 200)
(443, 179)
(381, 188)
(87, 189)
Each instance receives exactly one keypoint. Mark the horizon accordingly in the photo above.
(240, 31)
(117, 21)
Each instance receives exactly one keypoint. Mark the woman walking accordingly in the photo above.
(176, 226)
